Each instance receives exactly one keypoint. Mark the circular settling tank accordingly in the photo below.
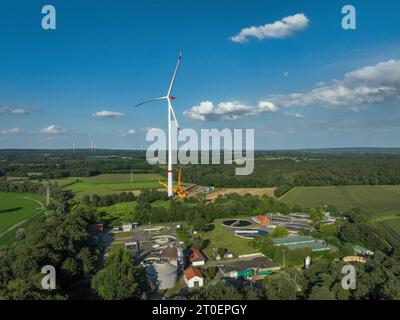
(236, 223)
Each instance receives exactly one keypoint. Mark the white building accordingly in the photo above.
(193, 278)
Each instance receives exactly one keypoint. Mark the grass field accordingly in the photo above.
(391, 228)
(122, 178)
(17, 207)
(376, 200)
(220, 237)
(118, 213)
(112, 183)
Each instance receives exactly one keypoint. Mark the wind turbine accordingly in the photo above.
(171, 114)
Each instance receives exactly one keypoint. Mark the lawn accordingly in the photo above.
(376, 200)
(220, 237)
(16, 207)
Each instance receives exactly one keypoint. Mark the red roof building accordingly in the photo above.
(263, 220)
(192, 272)
(196, 258)
(193, 277)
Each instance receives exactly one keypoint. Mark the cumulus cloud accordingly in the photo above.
(229, 110)
(368, 85)
(107, 114)
(277, 30)
(18, 111)
(128, 132)
(52, 130)
(13, 131)
(294, 115)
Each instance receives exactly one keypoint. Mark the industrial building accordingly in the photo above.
(254, 267)
(162, 274)
(301, 242)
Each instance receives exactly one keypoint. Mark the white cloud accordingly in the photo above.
(128, 132)
(147, 129)
(294, 115)
(369, 85)
(52, 130)
(229, 110)
(18, 111)
(107, 114)
(13, 131)
(277, 30)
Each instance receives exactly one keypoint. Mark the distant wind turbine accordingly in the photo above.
(171, 113)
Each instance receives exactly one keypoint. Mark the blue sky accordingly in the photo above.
(303, 82)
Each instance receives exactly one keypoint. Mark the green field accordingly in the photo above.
(220, 237)
(118, 213)
(122, 178)
(16, 208)
(112, 183)
(376, 200)
(391, 228)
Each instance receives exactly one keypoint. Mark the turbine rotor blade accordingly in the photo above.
(174, 76)
(151, 100)
(173, 114)
(176, 121)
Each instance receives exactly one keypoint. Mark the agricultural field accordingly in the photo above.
(16, 209)
(122, 178)
(376, 200)
(113, 183)
(391, 227)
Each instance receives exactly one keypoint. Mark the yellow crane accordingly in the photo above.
(178, 190)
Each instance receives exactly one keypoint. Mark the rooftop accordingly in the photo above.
(191, 273)
(170, 253)
(195, 255)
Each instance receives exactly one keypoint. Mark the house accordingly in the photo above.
(195, 257)
(193, 277)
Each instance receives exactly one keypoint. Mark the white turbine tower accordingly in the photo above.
(171, 113)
